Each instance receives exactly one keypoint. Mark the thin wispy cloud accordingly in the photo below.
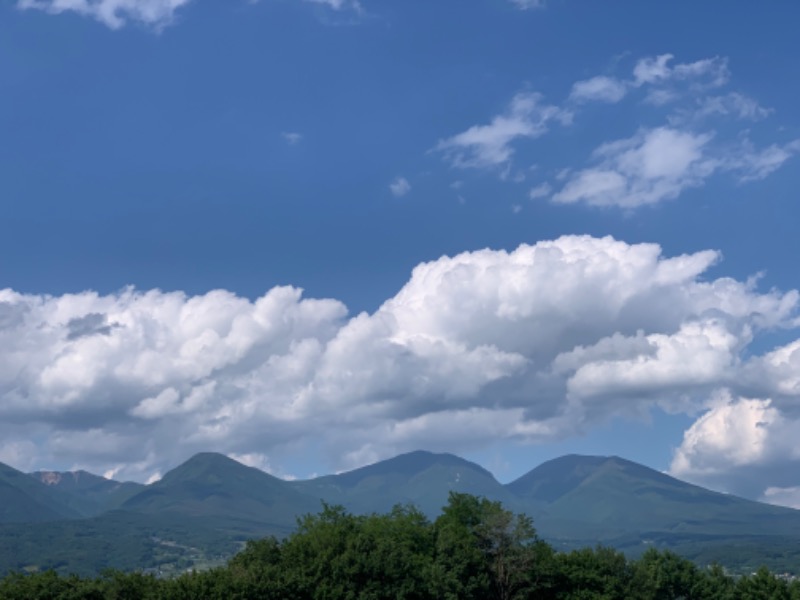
(152, 13)
(113, 13)
(659, 164)
(292, 137)
(598, 89)
(540, 191)
(400, 187)
(753, 164)
(529, 4)
(491, 145)
(653, 164)
(339, 4)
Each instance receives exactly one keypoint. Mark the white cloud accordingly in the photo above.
(599, 89)
(113, 13)
(665, 84)
(534, 345)
(659, 164)
(732, 104)
(262, 462)
(654, 165)
(700, 353)
(154, 13)
(778, 371)
(483, 146)
(529, 4)
(789, 496)
(339, 4)
(744, 445)
(399, 187)
(652, 69)
(292, 137)
(702, 74)
(540, 191)
(752, 164)
(733, 432)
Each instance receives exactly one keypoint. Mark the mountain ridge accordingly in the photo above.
(90, 494)
(420, 477)
(23, 499)
(212, 501)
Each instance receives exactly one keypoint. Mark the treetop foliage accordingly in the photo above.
(474, 550)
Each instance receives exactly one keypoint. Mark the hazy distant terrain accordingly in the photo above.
(202, 511)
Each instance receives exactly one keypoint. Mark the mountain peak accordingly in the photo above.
(214, 484)
(211, 467)
(23, 499)
(420, 477)
(409, 464)
(557, 477)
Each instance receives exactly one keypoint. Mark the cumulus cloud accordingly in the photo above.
(745, 445)
(399, 187)
(733, 432)
(113, 13)
(535, 344)
(483, 146)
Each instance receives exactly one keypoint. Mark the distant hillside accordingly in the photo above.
(208, 505)
(25, 500)
(591, 497)
(214, 486)
(90, 494)
(421, 478)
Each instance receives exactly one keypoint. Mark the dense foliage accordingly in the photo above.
(474, 550)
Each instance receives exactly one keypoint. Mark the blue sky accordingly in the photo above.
(597, 203)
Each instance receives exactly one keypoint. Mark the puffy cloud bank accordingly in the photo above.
(534, 345)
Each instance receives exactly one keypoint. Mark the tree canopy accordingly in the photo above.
(475, 549)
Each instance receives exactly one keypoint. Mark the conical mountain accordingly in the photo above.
(592, 497)
(25, 500)
(421, 478)
(214, 486)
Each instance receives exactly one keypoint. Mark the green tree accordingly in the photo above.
(762, 585)
(664, 576)
(715, 584)
(601, 573)
(392, 555)
(482, 550)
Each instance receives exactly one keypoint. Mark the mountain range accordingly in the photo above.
(205, 508)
